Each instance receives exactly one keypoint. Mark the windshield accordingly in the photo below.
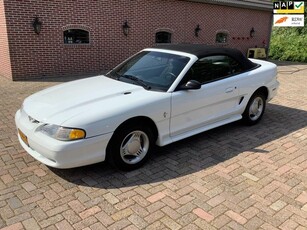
(150, 69)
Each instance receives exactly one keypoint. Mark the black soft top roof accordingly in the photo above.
(202, 51)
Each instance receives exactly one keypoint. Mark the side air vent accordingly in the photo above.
(241, 99)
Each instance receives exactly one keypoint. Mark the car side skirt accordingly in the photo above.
(169, 139)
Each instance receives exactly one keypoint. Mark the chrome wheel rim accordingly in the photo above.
(134, 147)
(256, 108)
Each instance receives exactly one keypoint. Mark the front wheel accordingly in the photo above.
(254, 109)
(131, 147)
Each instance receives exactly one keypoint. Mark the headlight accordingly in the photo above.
(62, 133)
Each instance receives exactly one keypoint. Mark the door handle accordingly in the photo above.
(230, 89)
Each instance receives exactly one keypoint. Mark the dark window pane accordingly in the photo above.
(163, 37)
(76, 36)
(221, 37)
(213, 68)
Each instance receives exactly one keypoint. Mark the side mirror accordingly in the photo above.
(191, 85)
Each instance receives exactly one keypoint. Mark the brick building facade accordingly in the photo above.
(27, 55)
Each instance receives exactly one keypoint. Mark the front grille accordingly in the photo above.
(32, 120)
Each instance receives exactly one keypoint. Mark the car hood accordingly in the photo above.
(59, 103)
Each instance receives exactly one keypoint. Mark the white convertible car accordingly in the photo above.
(156, 97)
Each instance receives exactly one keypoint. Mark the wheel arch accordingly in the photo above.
(264, 90)
(131, 121)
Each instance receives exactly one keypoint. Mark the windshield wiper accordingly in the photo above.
(137, 80)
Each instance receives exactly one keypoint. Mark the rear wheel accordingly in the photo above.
(254, 109)
(130, 147)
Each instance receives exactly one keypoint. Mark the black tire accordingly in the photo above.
(255, 109)
(130, 147)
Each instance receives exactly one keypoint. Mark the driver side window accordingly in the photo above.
(212, 68)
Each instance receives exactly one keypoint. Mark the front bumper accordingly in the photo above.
(60, 154)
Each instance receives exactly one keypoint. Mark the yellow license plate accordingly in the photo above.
(23, 137)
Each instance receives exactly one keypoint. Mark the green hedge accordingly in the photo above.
(289, 44)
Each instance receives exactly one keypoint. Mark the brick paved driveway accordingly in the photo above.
(233, 177)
